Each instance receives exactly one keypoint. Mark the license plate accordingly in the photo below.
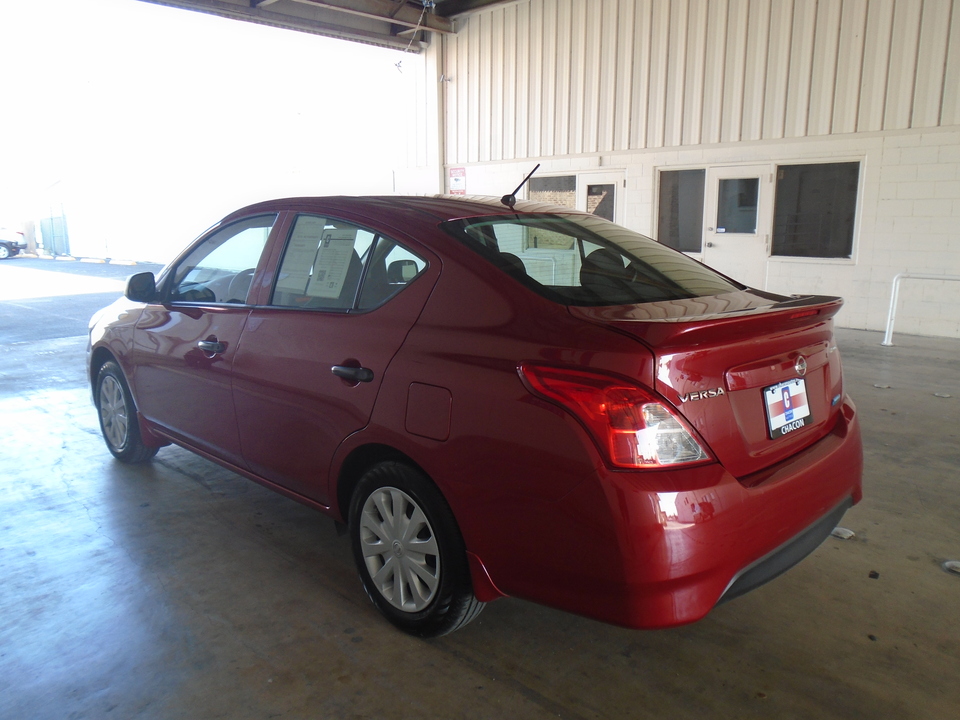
(787, 408)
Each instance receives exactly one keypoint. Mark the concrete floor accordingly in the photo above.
(180, 590)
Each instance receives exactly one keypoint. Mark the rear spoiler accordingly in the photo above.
(686, 322)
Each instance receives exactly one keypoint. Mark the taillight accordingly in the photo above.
(631, 424)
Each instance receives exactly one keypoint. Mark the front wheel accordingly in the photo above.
(118, 416)
(4, 252)
(409, 552)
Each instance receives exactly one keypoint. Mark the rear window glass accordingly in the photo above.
(584, 260)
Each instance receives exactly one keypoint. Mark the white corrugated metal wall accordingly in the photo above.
(561, 77)
(642, 86)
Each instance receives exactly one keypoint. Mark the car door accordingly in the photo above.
(312, 359)
(185, 345)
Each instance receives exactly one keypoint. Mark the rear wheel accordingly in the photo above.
(4, 252)
(409, 552)
(118, 416)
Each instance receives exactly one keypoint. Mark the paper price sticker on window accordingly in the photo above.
(332, 262)
(787, 408)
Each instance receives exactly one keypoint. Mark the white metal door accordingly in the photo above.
(738, 211)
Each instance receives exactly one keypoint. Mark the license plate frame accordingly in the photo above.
(787, 408)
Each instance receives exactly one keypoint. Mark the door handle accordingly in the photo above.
(353, 374)
(213, 347)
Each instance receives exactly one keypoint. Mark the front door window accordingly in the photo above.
(221, 268)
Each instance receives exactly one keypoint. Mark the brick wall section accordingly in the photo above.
(566, 199)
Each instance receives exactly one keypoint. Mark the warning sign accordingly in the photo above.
(458, 181)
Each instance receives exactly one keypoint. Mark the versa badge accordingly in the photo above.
(702, 394)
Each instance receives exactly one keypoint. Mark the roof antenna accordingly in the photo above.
(511, 199)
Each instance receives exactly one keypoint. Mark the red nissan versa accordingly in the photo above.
(497, 401)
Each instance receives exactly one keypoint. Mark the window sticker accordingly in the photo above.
(300, 254)
(332, 262)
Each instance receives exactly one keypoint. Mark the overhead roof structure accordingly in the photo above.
(387, 23)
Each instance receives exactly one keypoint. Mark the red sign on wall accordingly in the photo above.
(458, 181)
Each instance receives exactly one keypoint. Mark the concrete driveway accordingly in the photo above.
(180, 590)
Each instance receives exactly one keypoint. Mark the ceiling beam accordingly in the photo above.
(449, 8)
(399, 13)
(264, 16)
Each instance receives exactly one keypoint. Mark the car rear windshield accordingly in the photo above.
(583, 260)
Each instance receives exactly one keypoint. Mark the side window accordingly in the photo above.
(391, 268)
(322, 264)
(221, 268)
(324, 261)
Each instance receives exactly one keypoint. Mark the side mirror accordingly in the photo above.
(141, 287)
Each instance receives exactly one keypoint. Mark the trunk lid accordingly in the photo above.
(730, 364)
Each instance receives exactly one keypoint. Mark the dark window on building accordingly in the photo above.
(815, 209)
(555, 190)
(600, 200)
(680, 223)
(737, 205)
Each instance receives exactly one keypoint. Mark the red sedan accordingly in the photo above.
(496, 400)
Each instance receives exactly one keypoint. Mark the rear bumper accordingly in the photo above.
(786, 556)
(660, 549)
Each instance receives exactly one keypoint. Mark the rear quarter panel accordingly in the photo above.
(510, 457)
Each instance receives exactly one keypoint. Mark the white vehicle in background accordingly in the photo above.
(11, 243)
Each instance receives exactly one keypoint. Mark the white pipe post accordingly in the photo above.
(895, 295)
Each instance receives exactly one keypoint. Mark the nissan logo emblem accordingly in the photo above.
(801, 366)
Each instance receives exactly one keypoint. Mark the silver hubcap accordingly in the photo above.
(399, 549)
(113, 412)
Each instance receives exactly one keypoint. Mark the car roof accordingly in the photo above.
(398, 208)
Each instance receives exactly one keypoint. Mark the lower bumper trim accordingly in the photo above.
(786, 556)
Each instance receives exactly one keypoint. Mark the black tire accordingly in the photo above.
(409, 552)
(118, 416)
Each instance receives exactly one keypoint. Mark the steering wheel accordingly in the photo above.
(239, 286)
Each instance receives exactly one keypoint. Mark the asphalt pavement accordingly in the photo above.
(48, 299)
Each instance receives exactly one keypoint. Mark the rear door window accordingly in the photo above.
(326, 261)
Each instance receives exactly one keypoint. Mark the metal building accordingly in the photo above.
(797, 145)
(801, 146)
